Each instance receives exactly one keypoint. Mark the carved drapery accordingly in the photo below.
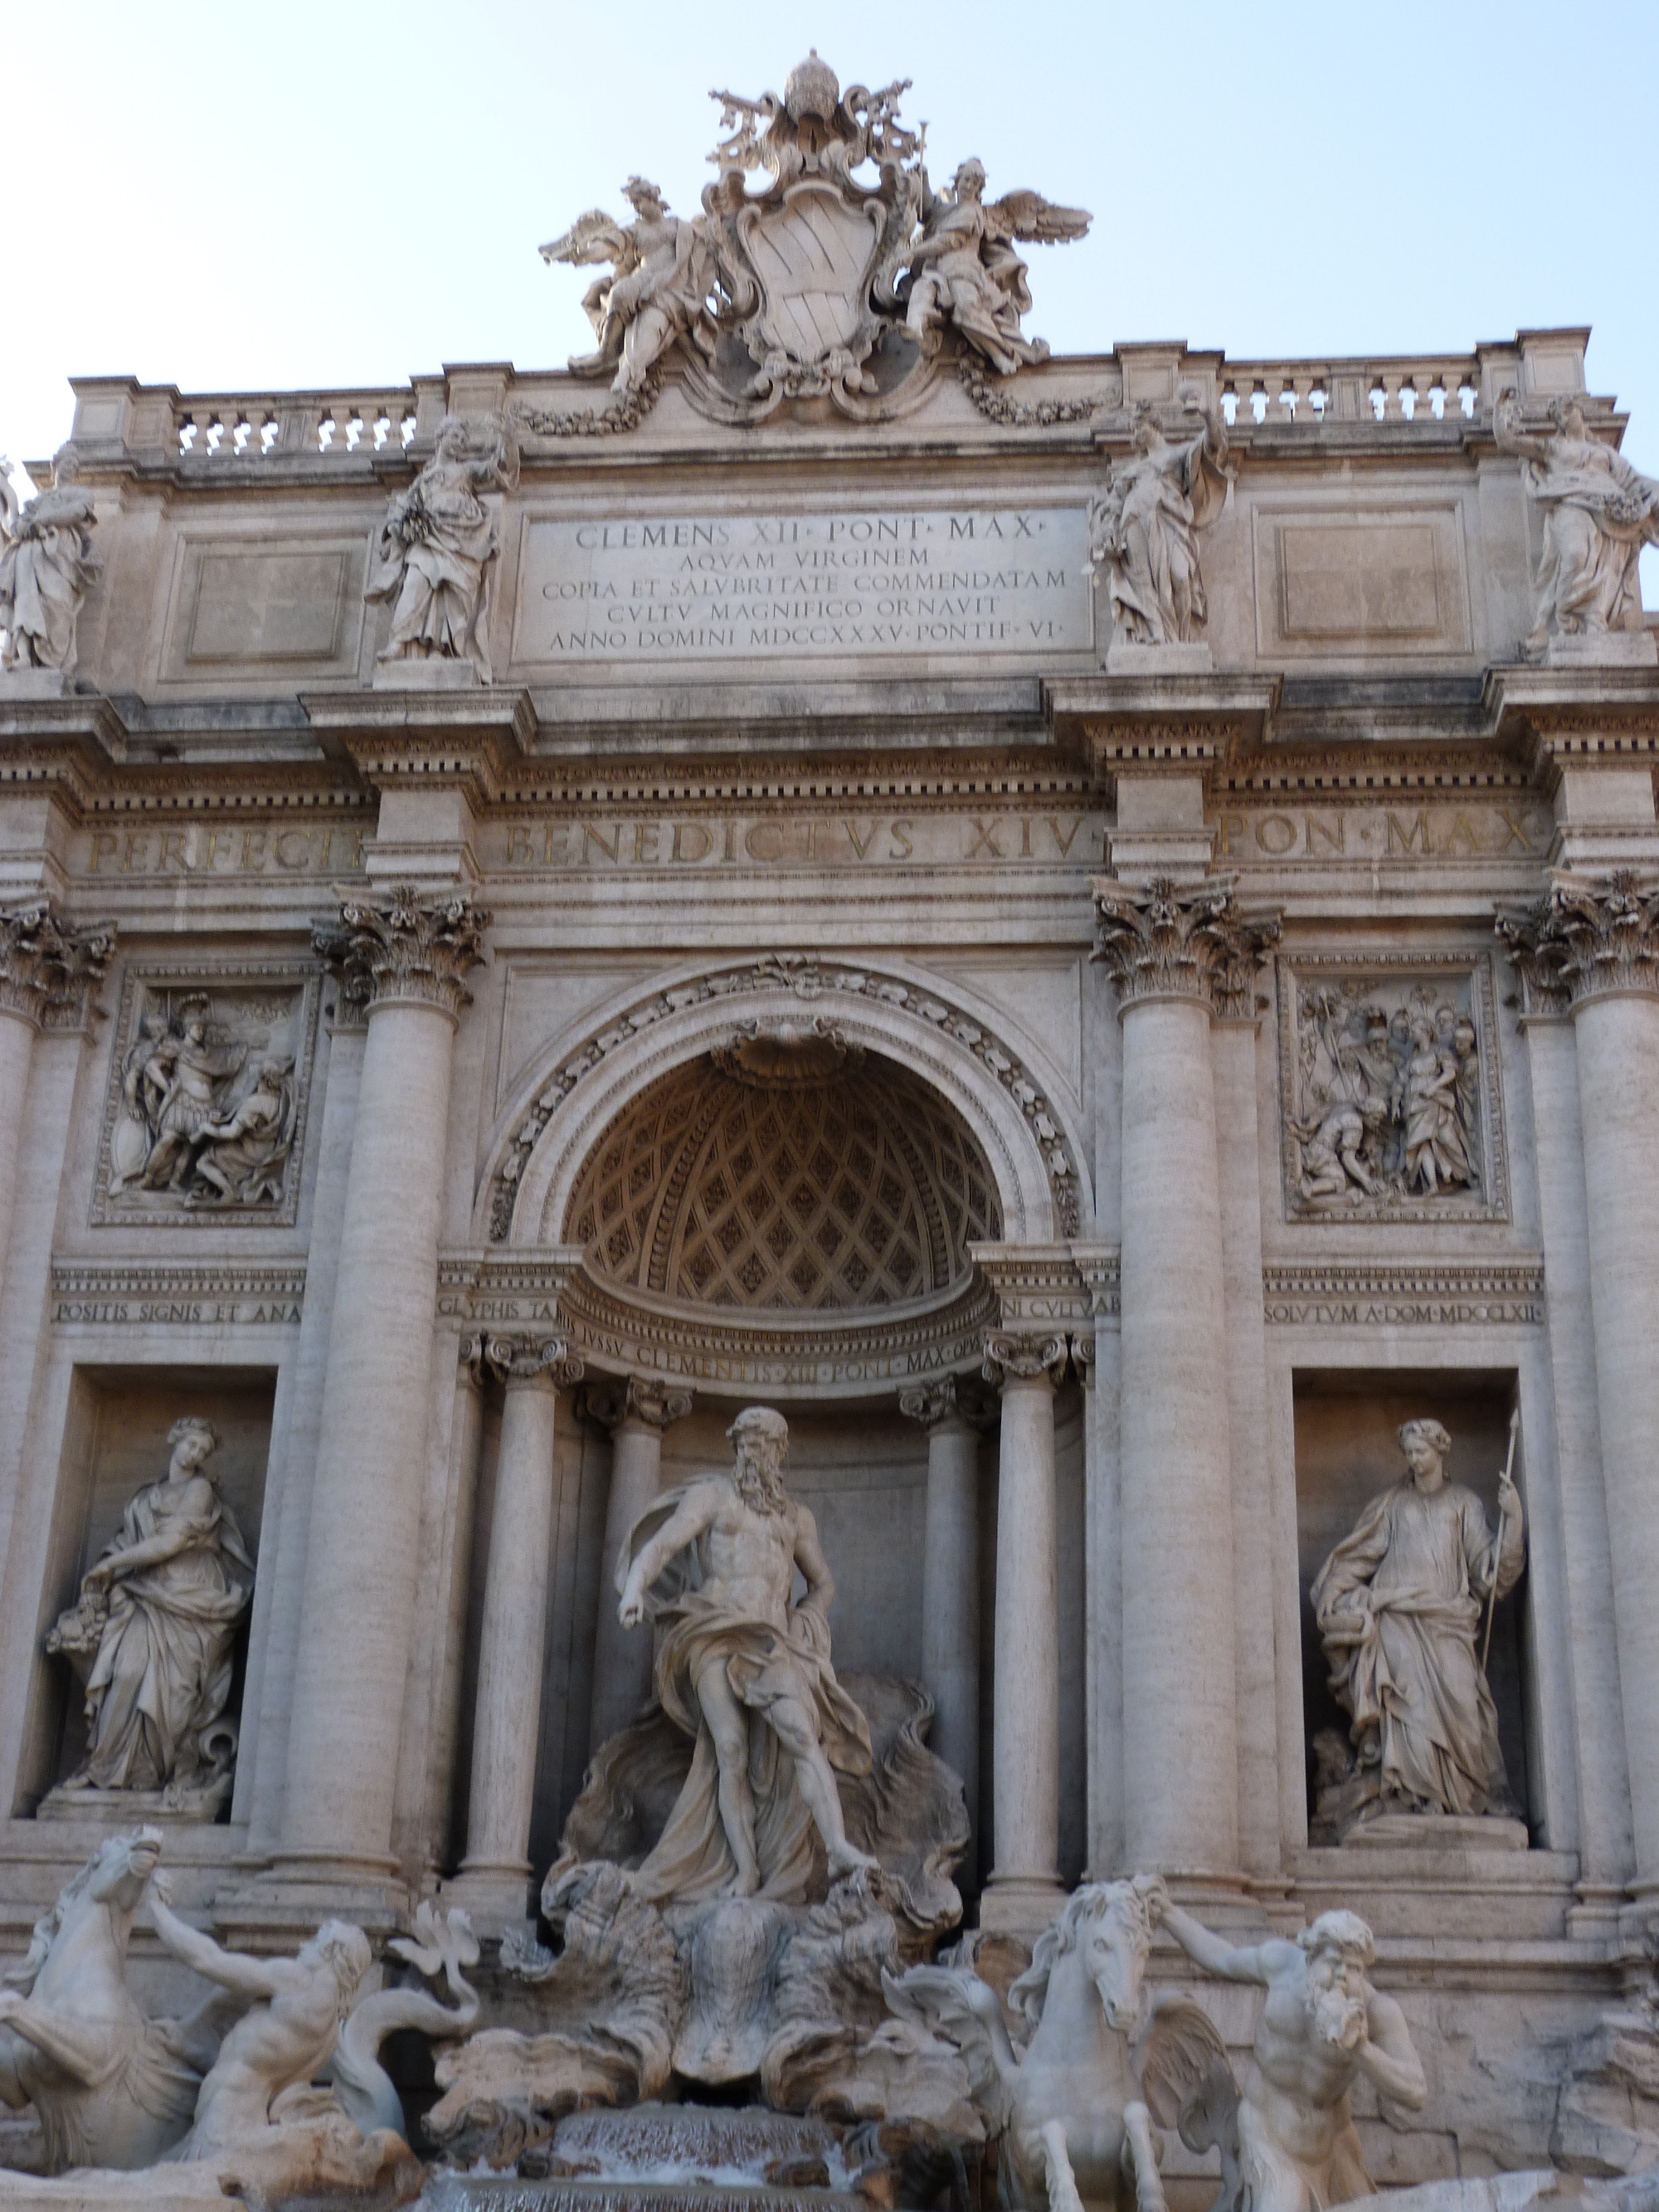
(1589, 937)
(49, 967)
(404, 945)
(1170, 940)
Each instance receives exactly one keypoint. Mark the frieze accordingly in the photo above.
(201, 849)
(172, 1294)
(1390, 1098)
(1353, 1294)
(586, 843)
(807, 977)
(1331, 834)
(209, 1085)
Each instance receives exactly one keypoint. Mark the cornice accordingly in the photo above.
(469, 740)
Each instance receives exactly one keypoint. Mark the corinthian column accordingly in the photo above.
(949, 1582)
(404, 957)
(47, 968)
(1025, 1692)
(496, 1873)
(1175, 955)
(637, 1415)
(1593, 944)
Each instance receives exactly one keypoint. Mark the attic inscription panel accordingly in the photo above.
(908, 580)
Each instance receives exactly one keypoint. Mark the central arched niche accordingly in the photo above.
(786, 1171)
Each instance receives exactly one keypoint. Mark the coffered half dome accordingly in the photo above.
(785, 1170)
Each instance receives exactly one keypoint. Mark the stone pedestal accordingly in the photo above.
(404, 957)
(1024, 1888)
(638, 1413)
(496, 1875)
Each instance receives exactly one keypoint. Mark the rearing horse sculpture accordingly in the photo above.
(1069, 2111)
(112, 2087)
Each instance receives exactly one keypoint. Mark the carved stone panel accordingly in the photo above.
(1391, 1104)
(208, 1083)
(239, 606)
(1392, 581)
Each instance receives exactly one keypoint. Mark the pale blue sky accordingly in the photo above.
(232, 198)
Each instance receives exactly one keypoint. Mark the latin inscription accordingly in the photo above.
(731, 587)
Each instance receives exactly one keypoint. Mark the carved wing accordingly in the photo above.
(1187, 2078)
(592, 237)
(1028, 215)
(954, 2005)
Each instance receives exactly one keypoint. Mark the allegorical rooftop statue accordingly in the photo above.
(747, 1673)
(48, 566)
(1400, 1604)
(1599, 513)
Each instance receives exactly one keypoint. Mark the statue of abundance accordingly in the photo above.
(747, 1674)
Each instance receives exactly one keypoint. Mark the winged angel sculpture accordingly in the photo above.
(816, 283)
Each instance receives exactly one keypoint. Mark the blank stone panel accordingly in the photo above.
(239, 607)
(1392, 581)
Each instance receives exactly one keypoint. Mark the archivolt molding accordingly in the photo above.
(1031, 1150)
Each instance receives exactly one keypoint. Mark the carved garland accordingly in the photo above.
(624, 414)
(805, 975)
(988, 394)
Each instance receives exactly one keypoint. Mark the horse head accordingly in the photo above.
(1106, 1929)
(86, 1931)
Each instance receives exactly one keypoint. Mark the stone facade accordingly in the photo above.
(770, 910)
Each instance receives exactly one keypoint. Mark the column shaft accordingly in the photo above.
(1025, 1706)
(1180, 1723)
(950, 1602)
(1618, 1041)
(622, 1656)
(17, 1033)
(365, 1519)
(506, 1726)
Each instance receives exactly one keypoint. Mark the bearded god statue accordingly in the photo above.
(746, 1672)
(1399, 1605)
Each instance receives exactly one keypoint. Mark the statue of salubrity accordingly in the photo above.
(1401, 1604)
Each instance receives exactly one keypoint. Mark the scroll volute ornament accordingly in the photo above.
(403, 945)
(1170, 940)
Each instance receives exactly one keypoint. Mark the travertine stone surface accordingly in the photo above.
(906, 938)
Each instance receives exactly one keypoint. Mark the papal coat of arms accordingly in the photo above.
(817, 284)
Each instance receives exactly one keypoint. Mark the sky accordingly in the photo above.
(229, 198)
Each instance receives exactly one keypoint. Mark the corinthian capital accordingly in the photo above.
(1589, 937)
(1024, 1358)
(48, 968)
(404, 944)
(950, 1398)
(521, 1359)
(1170, 940)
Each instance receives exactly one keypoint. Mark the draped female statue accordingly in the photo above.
(157, 1619)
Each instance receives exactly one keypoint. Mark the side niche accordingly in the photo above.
(1391, 1108)
(209, 1079)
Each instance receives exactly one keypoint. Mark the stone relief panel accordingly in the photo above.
(209, 1080)
(1391, 1102)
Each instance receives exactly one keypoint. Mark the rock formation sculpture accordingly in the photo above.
(438, 544)
(1143, 527)
(1287, 2138)
(152, 1635)
(1072, 2122)
(48, 564)
(111, 2088)
(1599, 513)
(1400, 1604)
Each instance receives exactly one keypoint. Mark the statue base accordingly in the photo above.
(427, 673)
(1603, 648)
(1431, 1832)
(33, 683)
(468, 2192)
(131, 1808)
(1125, 658)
